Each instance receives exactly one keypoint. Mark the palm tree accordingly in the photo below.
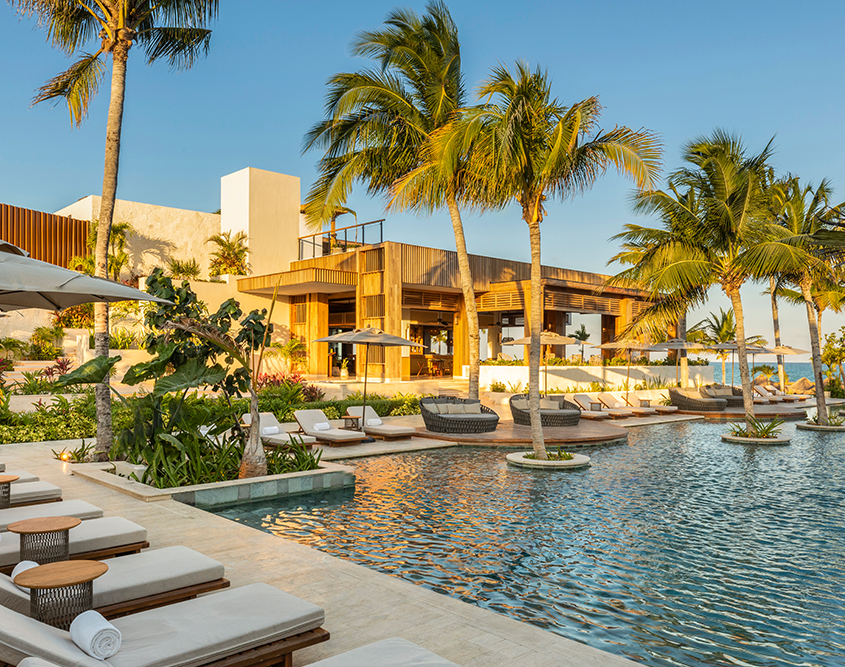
(230, 258)
(718, 330)
(524, 146)
(118, 257)
(379, 125)
(175, 30)
(581, 335)
(724, 242)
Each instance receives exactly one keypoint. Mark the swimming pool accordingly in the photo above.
(676, 549)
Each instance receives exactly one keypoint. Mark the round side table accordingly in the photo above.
(45, 540)
(59, 592)
(6, 490)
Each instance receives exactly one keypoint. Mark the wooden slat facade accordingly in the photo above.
(50, 238)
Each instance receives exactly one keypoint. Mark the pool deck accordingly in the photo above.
(361, 605)
(787, 411)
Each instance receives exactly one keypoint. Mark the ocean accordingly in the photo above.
(794, 371)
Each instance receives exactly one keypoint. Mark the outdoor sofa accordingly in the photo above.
(555, 410)
(277, 436)
(374, 426)
(78, 508)
(239, 627)
(93, 539)
(692, 400)
(143, 581)
(316, 424)
(457, 415)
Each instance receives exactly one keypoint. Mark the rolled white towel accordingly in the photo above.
(95, 635)
(374, 422)
(23, 566)
(322, 426)
(270, 430)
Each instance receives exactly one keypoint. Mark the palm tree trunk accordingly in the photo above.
(536, 325)
(253, 462)
(469, 297)
(744, 374)
(815, 346)
(776, 323)
(114, 126)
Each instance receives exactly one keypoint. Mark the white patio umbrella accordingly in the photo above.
(546, 338)
(31, 283)
(367, 337)
(628, 346)
(675, 344)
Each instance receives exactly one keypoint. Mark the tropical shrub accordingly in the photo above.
(757, 428)
(75, 317)
(188, 269)
(498, 387)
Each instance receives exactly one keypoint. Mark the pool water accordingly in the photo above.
(676, 549)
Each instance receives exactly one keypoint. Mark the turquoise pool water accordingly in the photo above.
(676, 549)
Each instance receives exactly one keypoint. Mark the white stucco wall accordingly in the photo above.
(560, 377)
(160, 232)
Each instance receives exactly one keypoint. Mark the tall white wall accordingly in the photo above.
(265, 205)
(160, 232)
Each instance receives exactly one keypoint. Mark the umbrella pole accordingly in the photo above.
(366, 368)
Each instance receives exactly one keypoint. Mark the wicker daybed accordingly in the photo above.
(439, 417)
(565, 414)
(691, 399)
(733, 399)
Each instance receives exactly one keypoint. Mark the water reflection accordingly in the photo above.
(675, 550)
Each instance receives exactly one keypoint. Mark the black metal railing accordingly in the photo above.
(340, 240)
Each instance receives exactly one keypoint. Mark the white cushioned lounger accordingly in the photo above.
(23, 477)
(91, 535)
(34, 492)
(78, 508)
(268, 419)
(583, 401)
(393, 652)
(386, 431)
(308, 418)
(2, 467)
(134, 577)
(185, 634)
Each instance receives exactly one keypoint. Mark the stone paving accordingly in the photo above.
(361, 605)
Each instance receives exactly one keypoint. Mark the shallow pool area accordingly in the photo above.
(676, 549)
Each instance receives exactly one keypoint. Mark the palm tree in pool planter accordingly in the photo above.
(176, 31)
(524, 146)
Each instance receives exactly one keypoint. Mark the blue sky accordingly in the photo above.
(681, 69)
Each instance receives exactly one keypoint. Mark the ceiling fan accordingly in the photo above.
(441, 321)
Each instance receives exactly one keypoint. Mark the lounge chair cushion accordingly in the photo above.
(12, 597)
(23, 477)
(91, 535)
(382, 429)
(78, 508)
(393, 652)
(485, 416)
(456, 409)
(33, 492)
(185, 634)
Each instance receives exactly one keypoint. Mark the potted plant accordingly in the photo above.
(344, 369)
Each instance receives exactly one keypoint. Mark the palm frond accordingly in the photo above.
(77, 85)
(180, 46)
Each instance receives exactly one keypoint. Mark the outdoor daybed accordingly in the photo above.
(143, 581)
(457, 415)
(78, 508)
(316, 424)
(374, 426)
(251, 625)
(93, 539)
(34, 493)
(732, 400)
(691, 399)
(555, 410)
(276, 435)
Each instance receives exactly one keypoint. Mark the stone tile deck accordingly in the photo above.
(361, 605)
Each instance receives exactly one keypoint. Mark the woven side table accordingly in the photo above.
(59, 592)
(45, 540)
(6, 490)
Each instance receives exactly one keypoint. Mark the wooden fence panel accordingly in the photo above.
(50, 238)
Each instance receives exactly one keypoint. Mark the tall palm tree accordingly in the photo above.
(379, 124)
(523, 146)
(726, 243)
(582, 336)
(176, 30)
(719, 329)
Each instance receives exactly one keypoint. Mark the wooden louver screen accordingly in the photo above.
(374, 260)
(374, 306)
(50, 238)
(430, 300)
(501, 301)
(582, 303)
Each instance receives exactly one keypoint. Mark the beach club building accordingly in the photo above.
(341, 279)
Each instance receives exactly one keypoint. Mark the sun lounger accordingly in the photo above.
(794, 398)
(639, 410)
(34, 493)
(238, 627)
(382, 430)
(78, 508)
(281, 438)
(771, 398)
(142, 581)
(393, 652)
(2, 467)
(613, 406)
(23, 477)
(584, 402)
(308, 420)
(93, 539)
(636, 402)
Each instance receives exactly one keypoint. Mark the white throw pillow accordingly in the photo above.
(431, 407)
(23, 566)
(549, 404)
(473, 407)
(270, 430)
(322, 426)
(456, 408)
(521, 404)
(374, 422)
